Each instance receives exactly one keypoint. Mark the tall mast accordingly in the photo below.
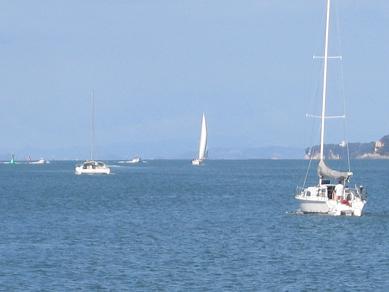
(92, 142)
(323, 111)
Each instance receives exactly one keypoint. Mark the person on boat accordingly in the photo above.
(339, 191)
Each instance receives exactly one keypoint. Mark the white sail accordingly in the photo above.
(203, 139)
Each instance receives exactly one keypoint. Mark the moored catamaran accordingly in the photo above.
(91, 166)
(331, 195)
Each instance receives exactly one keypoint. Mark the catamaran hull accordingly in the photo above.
(80, 170)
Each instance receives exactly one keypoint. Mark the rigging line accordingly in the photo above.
(345, 120)
(311, 148)
(314, 92)
(342, 86)
(314, 134)
(309, 166)
(315, 89)
(314, 129)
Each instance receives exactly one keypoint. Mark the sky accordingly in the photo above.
(155, 66)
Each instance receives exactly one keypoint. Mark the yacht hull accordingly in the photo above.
(134, 161)
(332, 207)
(312, 206)
(197, 162)
(40, 161)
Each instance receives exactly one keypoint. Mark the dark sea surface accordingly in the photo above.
(169, 226)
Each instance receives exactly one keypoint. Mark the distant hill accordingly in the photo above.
(268, 152)
(370, 150)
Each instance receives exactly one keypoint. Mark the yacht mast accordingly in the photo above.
(92, 126)
(323, 111)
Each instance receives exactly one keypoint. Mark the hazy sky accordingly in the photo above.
(155, 66)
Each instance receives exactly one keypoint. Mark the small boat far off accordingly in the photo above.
(134, 160)
(91, 166)
(203, 143)
(40, 161)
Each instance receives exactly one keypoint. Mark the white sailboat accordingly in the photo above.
(91, 166)
(135, 160)
(203, 143)
(331, 195)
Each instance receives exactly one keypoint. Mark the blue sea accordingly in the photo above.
(168, 226)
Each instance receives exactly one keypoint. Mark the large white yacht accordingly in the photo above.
(331, 195)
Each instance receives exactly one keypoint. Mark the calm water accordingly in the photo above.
(168, 226)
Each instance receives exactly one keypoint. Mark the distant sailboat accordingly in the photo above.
(91, 166)
(203, 143)
(333, 198)
(135, 160)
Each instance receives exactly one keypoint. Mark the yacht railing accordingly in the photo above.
(361, 192)
(298, 191)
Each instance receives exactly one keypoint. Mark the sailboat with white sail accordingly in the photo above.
(331, 195)
(203, 143)
(91, 166)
